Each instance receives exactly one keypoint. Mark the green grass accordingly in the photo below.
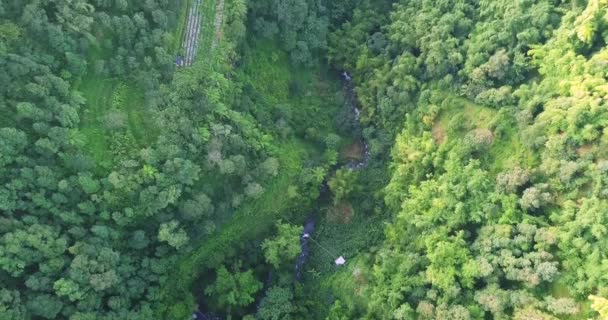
(477, 116)
(345, 286)
(308, 94)
(207, 29)
(507, 150)
(178, 33)
(249, 222)
(266, 68)
(98, 93)
(139, 120)
(104, 95)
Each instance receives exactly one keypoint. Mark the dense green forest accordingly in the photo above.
(217, 159)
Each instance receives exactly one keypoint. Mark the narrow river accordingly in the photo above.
(351, 104)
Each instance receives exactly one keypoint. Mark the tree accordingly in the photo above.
(455, 312)
(531, 313)
(270, 167)
(231, 290)
(332, 141)
(45, 306)
(511, 180)
(68, 288)
(284, 247)
(88, 183)
(254, 190)
(138, 240)
(12, 142)
(11, 306)
(479, 139)
(561, 306)
(342, 184)
(446, 258)
(277, 304)
(173, 234)
(534, 198)
(600, 305)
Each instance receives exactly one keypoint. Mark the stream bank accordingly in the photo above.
(350, 103)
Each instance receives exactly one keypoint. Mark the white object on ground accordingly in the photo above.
(340, 261)
(306, 235)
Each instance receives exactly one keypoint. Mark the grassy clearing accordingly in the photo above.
(348, 283)
(106, 95)
(309, 94)
(506, 152)
(249, 222)
(140, 122)
(266, 68)
(476, 116)
(98, 93)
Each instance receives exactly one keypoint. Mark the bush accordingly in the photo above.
(509, 181)
(535, 198)
(478, 139)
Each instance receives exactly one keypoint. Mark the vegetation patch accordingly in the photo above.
(249, 222)
(114, 120)
(369, 159)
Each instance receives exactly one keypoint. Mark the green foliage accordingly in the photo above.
(123, 180)
(277, 304)
(342, 184)
(121, 172)
(284, 247)
(600, 305)
(301, 25)
(233, 289)
(487, 205)
(173, 234)
(249, 222)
